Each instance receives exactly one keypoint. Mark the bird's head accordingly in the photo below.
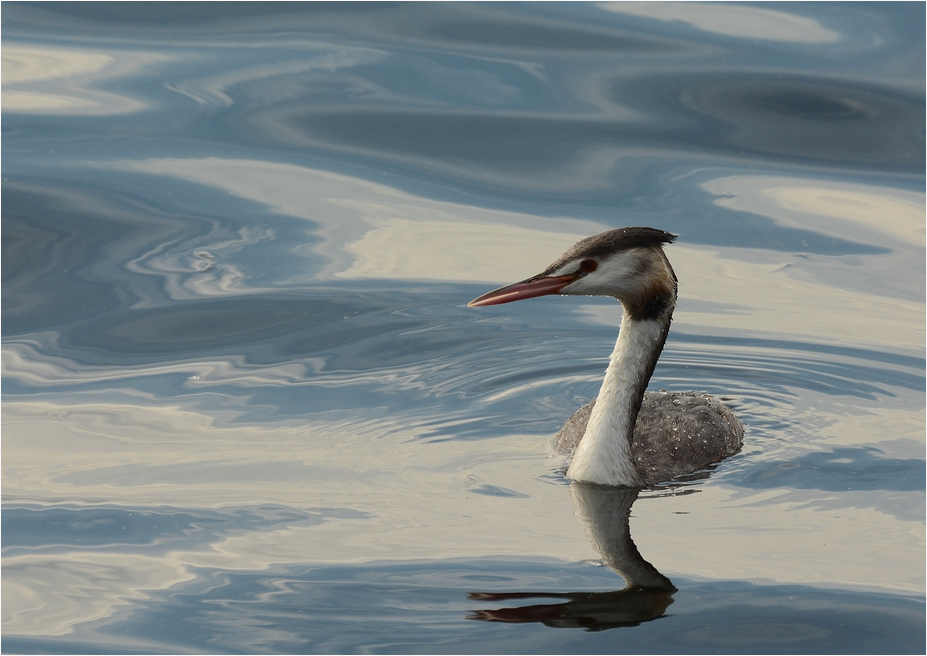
(627, 263)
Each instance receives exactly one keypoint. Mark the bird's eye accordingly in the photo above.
(588, 266)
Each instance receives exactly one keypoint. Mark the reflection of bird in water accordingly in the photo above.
(605, 512)
(626, 437)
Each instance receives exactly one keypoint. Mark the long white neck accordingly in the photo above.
(604, 454)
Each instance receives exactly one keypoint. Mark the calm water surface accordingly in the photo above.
(245, 407)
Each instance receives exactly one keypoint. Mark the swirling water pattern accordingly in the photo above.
(246, 409)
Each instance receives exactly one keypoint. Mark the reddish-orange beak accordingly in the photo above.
(524, 289)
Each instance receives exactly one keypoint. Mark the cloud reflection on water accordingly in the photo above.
(92, 561)
(374, 231)
(355, 217)
(161, 455)
(747, 22)
(878, 216)
(209, 442)
(59, 81)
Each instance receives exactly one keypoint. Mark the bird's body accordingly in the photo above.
(675, 434)
(624, 436)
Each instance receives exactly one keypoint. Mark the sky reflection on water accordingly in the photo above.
(245, 406)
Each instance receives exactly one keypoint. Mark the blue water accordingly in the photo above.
(245, 406)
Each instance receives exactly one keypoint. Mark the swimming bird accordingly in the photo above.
(627, 436)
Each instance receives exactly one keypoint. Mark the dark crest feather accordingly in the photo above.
(614, 241)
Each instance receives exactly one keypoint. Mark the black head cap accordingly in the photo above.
(614, 241)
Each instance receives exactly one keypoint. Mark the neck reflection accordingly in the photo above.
(605, 513)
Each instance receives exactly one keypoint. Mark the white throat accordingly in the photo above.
(604, 454)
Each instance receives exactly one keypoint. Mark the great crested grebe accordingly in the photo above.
(625, 436)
